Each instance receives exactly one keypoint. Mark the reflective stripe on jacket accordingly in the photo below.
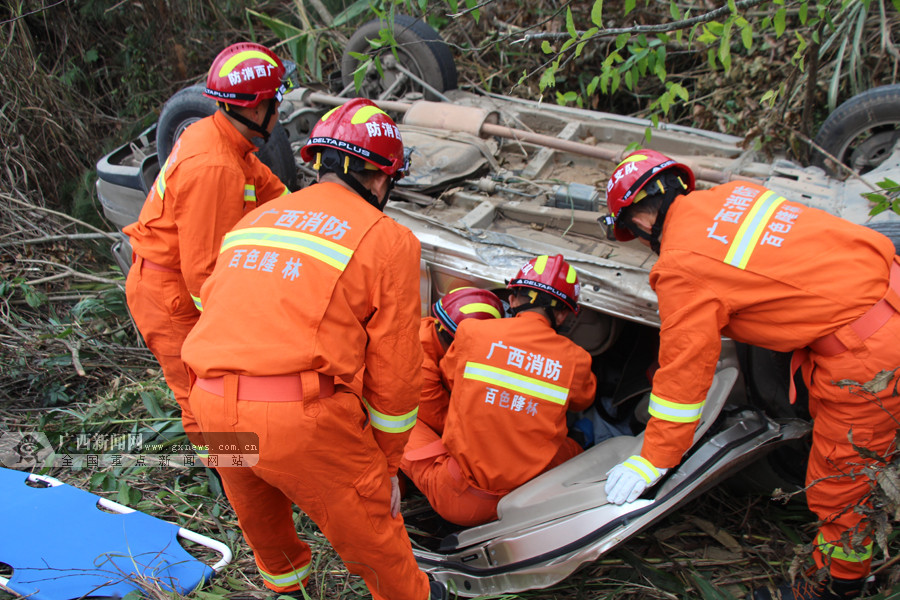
(512, 381)
(319, 280)
(740, 261)
(209, 181)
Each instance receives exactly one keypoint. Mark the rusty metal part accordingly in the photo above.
(481, 122)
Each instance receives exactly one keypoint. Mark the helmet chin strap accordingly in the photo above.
(341, 165)
(262, 129)
(673, 188)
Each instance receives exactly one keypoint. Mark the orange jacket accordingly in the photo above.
(435, 395)
(511, 382)
(740, 261)
(319, 280)
(210, 180)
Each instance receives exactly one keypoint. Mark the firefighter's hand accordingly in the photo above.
(628, 480)
(395, 496)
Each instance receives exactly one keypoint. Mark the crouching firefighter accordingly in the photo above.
(307, 291)
(741, 261)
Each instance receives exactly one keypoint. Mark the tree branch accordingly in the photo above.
(639, 29)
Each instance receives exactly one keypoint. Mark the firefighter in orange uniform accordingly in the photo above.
(436, 334)
(512, 381)
(741, 261)
(209, 181)
(308, 290)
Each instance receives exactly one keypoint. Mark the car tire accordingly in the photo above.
(189, 105)
(891, 229)
(860, 132)
(420, 49)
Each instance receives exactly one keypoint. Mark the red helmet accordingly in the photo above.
(551, 275)
(466, 303)
(630, 177)
(361, 129)
(245, 74)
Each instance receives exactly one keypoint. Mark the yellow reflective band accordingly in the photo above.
(329, 113)
(197, 304)
(837, 551)
(516, 382)
(161, 180)
(290, 578)
(475, 307)
(642, 467)
(328, 252)
(237, 59)
(540, 264)
(751, 228)
(391, 423)
(632, 158)
(249, 192)
(673, 411)
(571, 276)
(365, 113)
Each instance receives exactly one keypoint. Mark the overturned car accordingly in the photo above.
(497, 180)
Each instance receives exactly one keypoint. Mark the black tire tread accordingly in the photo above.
(878, 105)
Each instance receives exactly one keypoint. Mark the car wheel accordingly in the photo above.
(889, 228)
(420, 50)
(861, 132)
(189, 105)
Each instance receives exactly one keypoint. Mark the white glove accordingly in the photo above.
(628, 480)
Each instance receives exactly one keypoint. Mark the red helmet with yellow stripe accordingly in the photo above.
(551, 275)
(466, 303)
(629, 179)
(245, 74)
(361, 129)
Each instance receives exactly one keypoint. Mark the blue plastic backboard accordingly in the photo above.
(61, 545)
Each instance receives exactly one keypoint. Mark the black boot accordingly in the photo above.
(831, 588)
(438, 591)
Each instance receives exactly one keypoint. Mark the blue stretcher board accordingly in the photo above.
(61, 545)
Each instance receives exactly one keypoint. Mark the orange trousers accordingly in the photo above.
(437, 475)
(164, 313)
(319, 454)
(835, 470)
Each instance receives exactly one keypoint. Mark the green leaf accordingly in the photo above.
(629, 5)
(732, 7)
(590, 33)
(680, 91)
(563, 99)
(747, 36)
(676, 14)
(454, 5)
(570, 23)
(597, 13)
(91, 55)
(546, 47)
(476, 13)
(878, 209)
(548, 78)
(33, 297)
(887, 184)
(579, 48)
(592, 86)
(769, 98)
(711, 58)
(628, 79)
(648, 135)
(621, 40)
(802, 13)
(779, 21)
